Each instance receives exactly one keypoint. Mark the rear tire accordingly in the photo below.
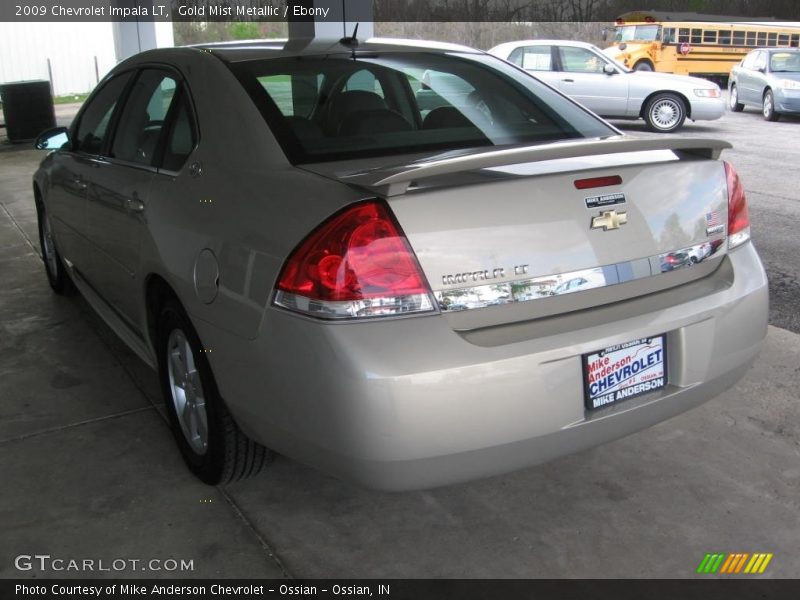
(768, 107)
(733, 100)
(665, 113)
(57, 275)
(212, 445)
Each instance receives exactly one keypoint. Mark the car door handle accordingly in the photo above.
(568, 80)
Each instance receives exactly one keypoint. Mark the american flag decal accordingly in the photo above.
(712, 218)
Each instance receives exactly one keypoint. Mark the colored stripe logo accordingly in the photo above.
(734, 563)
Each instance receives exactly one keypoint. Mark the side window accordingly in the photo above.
(182, 136)
(537, 58)
(516, 56)
(93, 126)
(709, 36)
(751, 38)
(761, 61)
(580, 60)
(750, 60)
(143, 117)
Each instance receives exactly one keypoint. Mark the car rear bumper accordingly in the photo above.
(411, 403)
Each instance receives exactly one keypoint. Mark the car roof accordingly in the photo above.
(546, 43)
(259, 49)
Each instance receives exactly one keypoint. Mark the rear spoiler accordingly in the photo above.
(402, 177)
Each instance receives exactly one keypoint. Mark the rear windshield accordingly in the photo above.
(339, 107)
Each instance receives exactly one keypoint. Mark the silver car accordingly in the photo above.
(769, 79)
(586, 74)
(315, 264)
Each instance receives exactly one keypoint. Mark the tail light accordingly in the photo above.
(356, 264)
(738, 217)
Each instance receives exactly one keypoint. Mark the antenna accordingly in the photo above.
(352, 40)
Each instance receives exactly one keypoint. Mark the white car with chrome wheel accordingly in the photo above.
(588, 75)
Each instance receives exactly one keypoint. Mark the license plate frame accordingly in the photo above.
(606, 369)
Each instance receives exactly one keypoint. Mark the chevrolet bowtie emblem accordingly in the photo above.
(609, 219)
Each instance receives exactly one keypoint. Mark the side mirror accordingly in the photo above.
(52, 139)
(609, 69)
(761, 69)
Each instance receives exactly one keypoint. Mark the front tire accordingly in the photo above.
(768, 108)
(733, 100)
(212, 445)
(57, 275)
(643, 65)
(665, 113)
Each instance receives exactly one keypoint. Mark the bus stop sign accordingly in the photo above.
(685, 48)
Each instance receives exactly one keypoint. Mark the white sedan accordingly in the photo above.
(583, 72)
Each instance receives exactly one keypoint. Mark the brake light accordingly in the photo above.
(358, 263)
(738, 217)
(594, 182)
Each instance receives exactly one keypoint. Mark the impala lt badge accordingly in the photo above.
(609, 219)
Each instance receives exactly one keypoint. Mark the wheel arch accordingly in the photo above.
(645, 61)
(156, 290)
(687, 106)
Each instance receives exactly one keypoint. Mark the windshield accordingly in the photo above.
(336, 107)
(640, 33)
(785, 62)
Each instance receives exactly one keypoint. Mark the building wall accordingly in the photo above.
(72, 49)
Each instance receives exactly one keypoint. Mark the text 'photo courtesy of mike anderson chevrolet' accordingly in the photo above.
(405, 263)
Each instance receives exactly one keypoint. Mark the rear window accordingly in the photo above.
(340, 107)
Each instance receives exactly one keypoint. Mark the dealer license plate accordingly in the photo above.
(624, 371)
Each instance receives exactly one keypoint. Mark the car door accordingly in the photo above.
(116, 207)
(582, 77)
(73, 167)
(751, 80)
(744, 78)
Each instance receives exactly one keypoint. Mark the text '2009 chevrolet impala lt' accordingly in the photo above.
(407, 264)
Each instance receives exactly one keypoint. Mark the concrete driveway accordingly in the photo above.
(89, 471)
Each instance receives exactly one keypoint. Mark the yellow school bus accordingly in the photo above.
(691, 43)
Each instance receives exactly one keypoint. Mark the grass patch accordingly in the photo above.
(70, 99)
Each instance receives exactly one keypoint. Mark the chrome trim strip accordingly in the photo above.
(547, 286)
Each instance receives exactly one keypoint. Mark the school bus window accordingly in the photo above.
(738, 38)
(783, 39)
(725, 37)
(709, 37)
(795, 40)
(683, 34)
(697, 36)
(762, 38)
(771, 39)
(751, 38)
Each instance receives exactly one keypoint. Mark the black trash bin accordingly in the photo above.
(28, 109)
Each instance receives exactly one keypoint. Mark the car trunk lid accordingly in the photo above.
(511, 232)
